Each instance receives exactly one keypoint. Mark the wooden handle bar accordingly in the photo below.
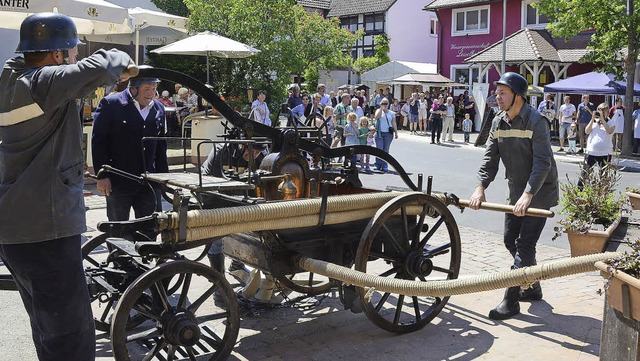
(535, 212)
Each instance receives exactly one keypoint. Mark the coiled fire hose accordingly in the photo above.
(441, 288)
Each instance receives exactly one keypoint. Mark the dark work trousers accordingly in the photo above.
(144, 201)
(436, 129)
(140, 197)
(51, 282)
(520, 237)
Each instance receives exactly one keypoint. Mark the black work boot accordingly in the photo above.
(532, 294)
(509, 306)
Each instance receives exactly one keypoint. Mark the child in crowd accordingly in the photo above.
(371, 136)
(363, 138)
(351, 132)
(329, 120)
(573, 134)
(466, 126)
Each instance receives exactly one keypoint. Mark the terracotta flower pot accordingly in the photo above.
(623, 292)
(634, 198)
(591, 242)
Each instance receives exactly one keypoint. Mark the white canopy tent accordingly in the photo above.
(208, 44)
(386, 73)
(396, 68)
(151, 28)
(90, 16)
(425, 80)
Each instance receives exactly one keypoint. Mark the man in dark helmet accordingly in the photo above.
(520, 138)
(41, 179)
(120, 122)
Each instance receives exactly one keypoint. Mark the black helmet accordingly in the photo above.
(47, 32)
(516, 82)
(136, 82)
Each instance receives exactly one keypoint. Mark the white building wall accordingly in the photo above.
(408, 27)
(335, 78)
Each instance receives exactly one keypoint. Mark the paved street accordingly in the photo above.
(564, 326)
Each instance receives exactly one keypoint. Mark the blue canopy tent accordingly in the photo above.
(591, 83)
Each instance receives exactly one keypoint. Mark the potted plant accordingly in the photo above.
(634, 197)
(620, 271)
(621, 316)
(593, 209)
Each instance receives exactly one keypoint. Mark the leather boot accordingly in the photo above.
(509, 306)
(532, 294)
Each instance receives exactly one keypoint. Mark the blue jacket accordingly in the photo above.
(41, 159)
(118, 129)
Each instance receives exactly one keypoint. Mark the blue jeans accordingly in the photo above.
(383, 143)
(521, 235)
(51, 282)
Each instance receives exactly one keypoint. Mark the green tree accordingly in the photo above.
(174, 7)
(290, 40)
(616, 26)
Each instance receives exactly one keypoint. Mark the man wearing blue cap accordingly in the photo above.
(120, 122)
(41, 179)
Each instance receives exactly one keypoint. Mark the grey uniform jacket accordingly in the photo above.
(525, 150)
(41, 159)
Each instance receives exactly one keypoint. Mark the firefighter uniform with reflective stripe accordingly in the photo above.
(41, 183)
(41, 158)
(524, 148)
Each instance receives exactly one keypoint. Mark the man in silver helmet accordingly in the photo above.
(520, 138)
(41, 179)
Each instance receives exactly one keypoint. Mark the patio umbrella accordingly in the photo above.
(90, 16)
(150, 28)
(208, 44)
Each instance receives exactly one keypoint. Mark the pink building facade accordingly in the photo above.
(469, 26)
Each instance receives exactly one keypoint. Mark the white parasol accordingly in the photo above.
(90, 16)
(151, 28)
(208, 44)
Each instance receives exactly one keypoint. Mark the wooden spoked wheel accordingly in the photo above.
(107, 281)
(412, 237)
(187, 324)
